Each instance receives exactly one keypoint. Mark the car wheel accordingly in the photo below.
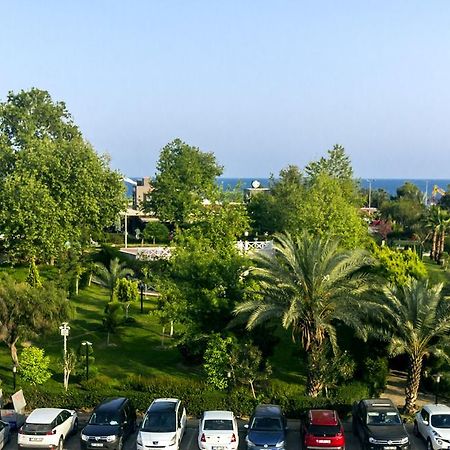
(429, 445)
(75, 427)
(416, 429)
(61, 443)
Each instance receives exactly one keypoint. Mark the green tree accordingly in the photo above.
(54, 188)
(336, 165)
(399, 266)
(112, 319)
(34, 365)
(307, 285)
(33, 277)
(217, 361)
(417, 317)
(108, 276)
(127, 292)
(26, 311)
(156, 232)
(185, 177)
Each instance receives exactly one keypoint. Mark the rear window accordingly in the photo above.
(266, 424)
(160, 422)
(324, 430)
(218, 424)
(440, 420)
(37, 427)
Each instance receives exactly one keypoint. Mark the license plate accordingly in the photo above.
(324, 441)
(391, 447)
(217, 448)
(36, 439)
(96, 444)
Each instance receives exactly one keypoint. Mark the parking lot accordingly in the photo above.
(190, 438)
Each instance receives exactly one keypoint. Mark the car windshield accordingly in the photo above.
(440, 420)
(383, 418)
(218, 424)
(160, 422)
(37, 427)
(266, 424)
(324, 430)
(104, 418)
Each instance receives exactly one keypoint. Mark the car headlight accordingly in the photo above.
(280, 444)
(84, 437)
(404, 440)
(372, 440)
(111, 438)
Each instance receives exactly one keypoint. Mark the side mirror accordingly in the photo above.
(425, 422)
(246, 425)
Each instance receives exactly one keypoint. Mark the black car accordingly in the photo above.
(266, 429)
(379, 426)
(111, 423)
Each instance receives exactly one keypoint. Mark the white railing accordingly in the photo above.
(153, 253)
(246, 246)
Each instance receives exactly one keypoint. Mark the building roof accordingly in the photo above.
(323, 417)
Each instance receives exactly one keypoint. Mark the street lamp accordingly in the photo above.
(142, 288)
(14, 369)
(87, 344)
(64, 329)
(437, 378)
(370, 193)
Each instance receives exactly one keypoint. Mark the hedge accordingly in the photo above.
(197, 396)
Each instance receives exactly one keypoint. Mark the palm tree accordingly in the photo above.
(418, 319)
(308, 284)
(108, 276)
(438, 222)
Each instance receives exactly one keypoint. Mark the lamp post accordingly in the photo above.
(370, 193)
(64, 329)
(142, 287)
(437, 378)
(87, 344)
(14, 369)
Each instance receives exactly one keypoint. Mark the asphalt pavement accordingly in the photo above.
(189, 441)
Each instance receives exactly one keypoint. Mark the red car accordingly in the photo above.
(322, 429)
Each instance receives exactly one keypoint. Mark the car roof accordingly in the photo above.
(267, 410)
(43, 415)
(111, 403)
(437, 409)
(163, 405)
(323, 417)
(376, 404)
(218, 415)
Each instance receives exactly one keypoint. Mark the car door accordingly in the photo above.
(3, 434)
(182, 420)
(362, 425)
(66, 422)
(423, 422)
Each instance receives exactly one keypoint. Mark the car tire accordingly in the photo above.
(416, 429)
(429, 445)
(75, 427)
(60, 443)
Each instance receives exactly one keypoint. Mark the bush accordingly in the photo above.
(376, 371)
(349, 393)
(34, 366)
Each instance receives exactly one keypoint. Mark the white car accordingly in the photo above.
(163, 425)
(218, 431)
(47, 427)
(5, 433)
(432, 422)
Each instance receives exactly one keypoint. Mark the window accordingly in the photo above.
(266, 424)
(383, 418)
(160, 422)
(218, 424)
(425, 415)
(440, 420)
(65, 415)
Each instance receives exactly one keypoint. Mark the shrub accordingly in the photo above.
(34, 365)
(156, 232)
(376, 371)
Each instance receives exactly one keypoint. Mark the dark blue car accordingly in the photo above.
(266, 429)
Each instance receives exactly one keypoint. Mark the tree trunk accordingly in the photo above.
(314, 383)
(77, 284)
(252, 388)
(90, 279)
(412, 383)
(171, 328)
(442, 244)
(107, 339)
(13, 349)
(433, 245)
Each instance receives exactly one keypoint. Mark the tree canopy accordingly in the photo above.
(54, 188)
(185, 177)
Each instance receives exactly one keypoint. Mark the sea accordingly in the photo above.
(390, 185)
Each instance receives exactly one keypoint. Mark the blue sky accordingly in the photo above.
(262, 84)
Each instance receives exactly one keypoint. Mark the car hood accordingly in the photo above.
(443, 432)
(101, 430)
(154, 438)
(265, 437)
(388, 432)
